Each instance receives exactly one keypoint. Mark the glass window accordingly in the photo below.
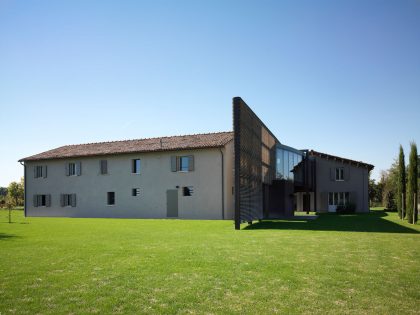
(72, 169)
(290, 165)
(184, 163)
(136, 166)
(339, 173)
(285, 164)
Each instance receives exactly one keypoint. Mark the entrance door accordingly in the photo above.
(172, 203)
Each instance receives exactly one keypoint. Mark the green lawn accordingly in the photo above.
(336, 264)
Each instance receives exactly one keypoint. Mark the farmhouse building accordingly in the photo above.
(243, 175)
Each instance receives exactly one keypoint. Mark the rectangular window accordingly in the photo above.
(331, 199)
(111, 198)
(72, 169)
(104, 167)
(338, 198)
(339, 173)
(135, 192)
(182, 163)
(68, 200)
(38, 171)
(136, 165)
(188, 191)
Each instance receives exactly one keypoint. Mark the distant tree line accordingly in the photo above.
(399, 186)
(13, 195)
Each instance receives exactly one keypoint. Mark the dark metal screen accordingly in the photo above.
(255, 151)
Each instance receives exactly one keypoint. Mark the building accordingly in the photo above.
(243, 175)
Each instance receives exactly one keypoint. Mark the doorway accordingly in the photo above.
(172, 203)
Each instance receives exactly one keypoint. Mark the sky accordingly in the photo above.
(340, 77)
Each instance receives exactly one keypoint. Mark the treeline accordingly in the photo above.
(13, 195)
(399, 186)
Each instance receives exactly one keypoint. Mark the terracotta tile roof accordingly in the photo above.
(344, 160)
(197, 141)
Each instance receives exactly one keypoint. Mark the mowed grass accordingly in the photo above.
(356, 264)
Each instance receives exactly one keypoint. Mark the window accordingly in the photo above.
(74, 169)
(42, 200)
(135, 192)
(339, 173)
(338, 198)
(188, 191)
(68, 200)
(111, 198)
(182, 163)
(135, 167)
(38, 171)
(103, 164)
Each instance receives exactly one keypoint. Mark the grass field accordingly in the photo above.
(357, 264)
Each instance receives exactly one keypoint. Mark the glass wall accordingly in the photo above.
(286, 159)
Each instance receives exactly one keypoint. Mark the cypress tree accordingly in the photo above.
(401, 184)
(412, 188)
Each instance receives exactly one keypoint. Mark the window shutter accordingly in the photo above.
(35, 200)
(48, 200)
(347, 173)
(73, 200)
(44, 171)
(79, 168)
(104, 166)
(62, 200)
(191, 163)
(173, 163)
(35, 171)
(67, 169)
(332, 173)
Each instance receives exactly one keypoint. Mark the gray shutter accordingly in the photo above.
(347, 173)
(44, 171)
(79, 168)
(62, 200)
(104, 166)
(35, 200)
(48, 200)
(73, 200)
(173, 163)
(324, 201)
(191, 163)
(35, 171)
(332, 173)
(67, 169)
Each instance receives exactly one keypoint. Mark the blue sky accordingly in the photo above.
(341, 77)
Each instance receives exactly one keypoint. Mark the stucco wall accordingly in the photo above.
(355, 182)
(154, 180)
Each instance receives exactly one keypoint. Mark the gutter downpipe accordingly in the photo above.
(24, 187)
(223, 183)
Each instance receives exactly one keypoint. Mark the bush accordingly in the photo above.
(348, 208)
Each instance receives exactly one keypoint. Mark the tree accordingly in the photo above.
(15, 191)
(401, 205)
(375, 193)
(412, 185)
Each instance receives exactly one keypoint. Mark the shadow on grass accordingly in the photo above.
(5, 237)
(371, 222)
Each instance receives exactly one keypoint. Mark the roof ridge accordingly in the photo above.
(151, 138)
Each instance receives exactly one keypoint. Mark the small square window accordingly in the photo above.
(135, 192)
(188, 191)
(111, 198)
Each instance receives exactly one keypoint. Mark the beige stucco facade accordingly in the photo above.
(212, 196)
